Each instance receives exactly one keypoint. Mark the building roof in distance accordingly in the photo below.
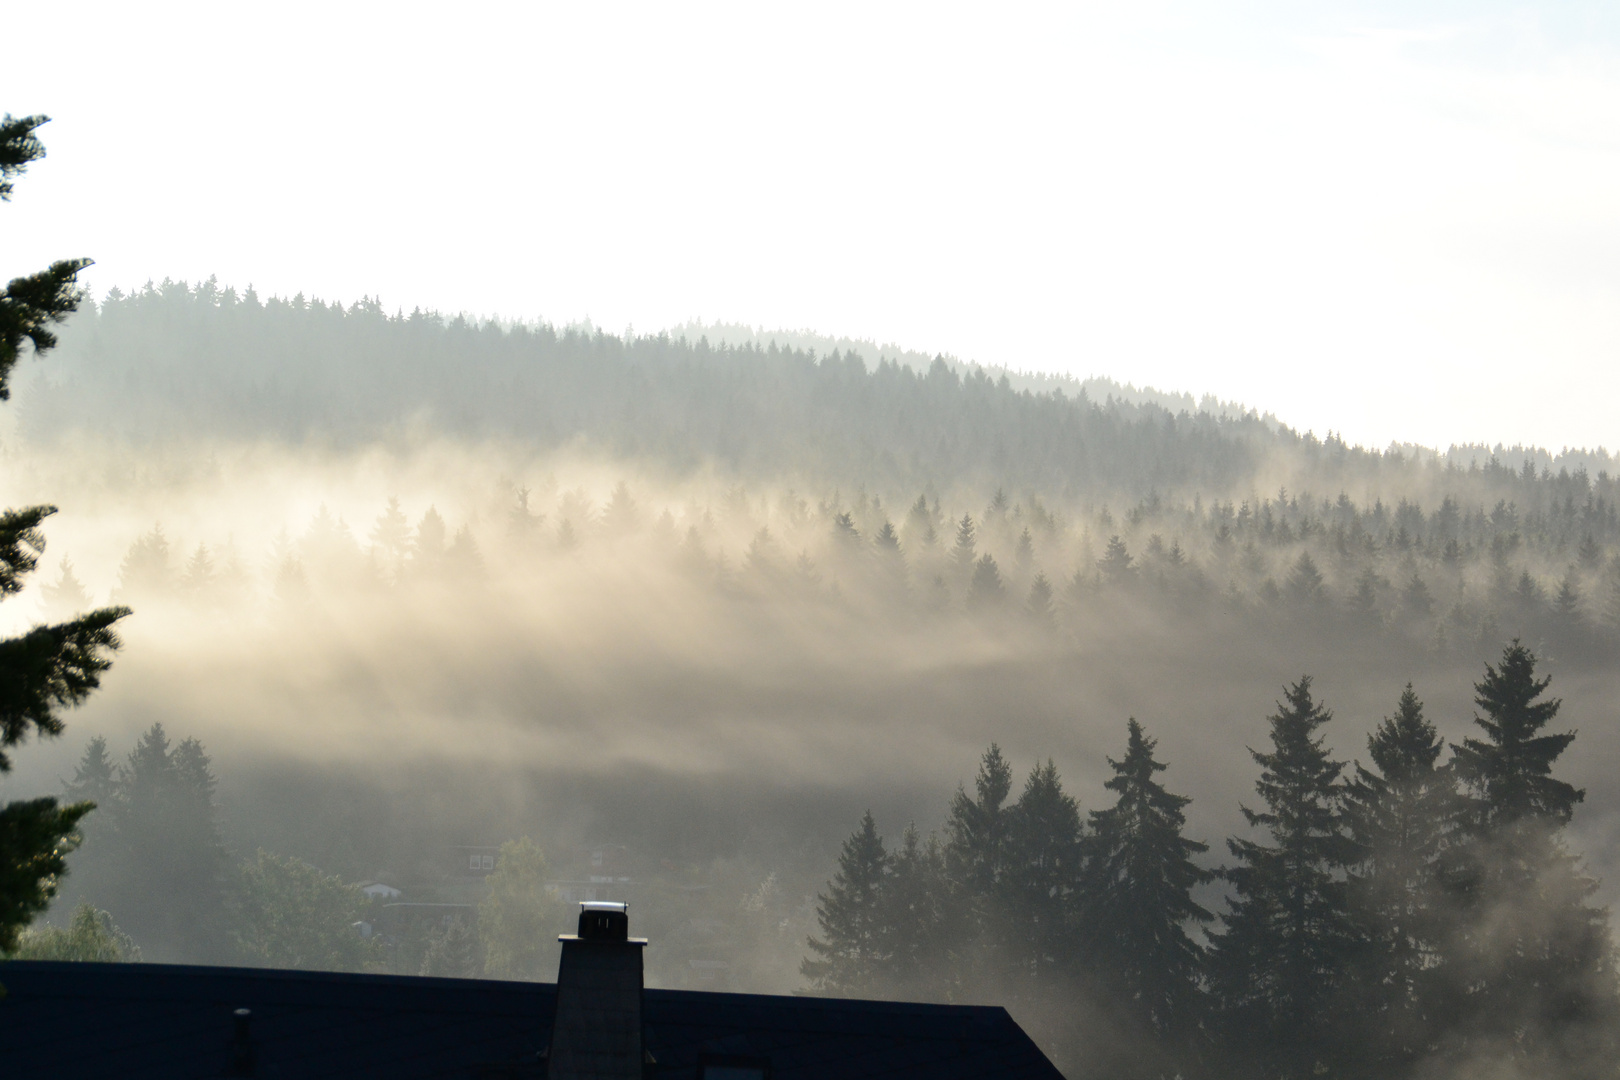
(135, 1021)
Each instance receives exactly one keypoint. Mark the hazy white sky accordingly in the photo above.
(1398, 221)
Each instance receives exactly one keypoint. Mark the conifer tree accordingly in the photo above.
(1137, 899)
(391, 535)
(621, 516)
(1530, 966)
(920, 523)
(55, 666)
(915, 919)
(986, 591)
(1041, 879)
(164, 860)
(962, 552)
(853, 950)
(1024, 550)
(1039, 605)
(1304, 587)
(66, 596)
(1288, 936)
(1116, 562)
(1400, 813)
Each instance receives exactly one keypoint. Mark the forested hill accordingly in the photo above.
(173, 361)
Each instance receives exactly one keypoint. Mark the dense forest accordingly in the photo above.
(421, 583)
(1415, 916)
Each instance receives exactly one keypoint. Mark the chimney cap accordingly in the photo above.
(603, 920)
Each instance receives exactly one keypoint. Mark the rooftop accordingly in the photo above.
(69, 1020)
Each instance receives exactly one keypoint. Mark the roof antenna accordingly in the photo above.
(240, 1058)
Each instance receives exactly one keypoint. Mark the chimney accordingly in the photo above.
(597, 1031)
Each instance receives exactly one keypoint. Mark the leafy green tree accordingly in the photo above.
(1400, 814)
(519, 919)
(1289, 936)
(291, 915)
(453, 951)
(852, 954)
(55, 666)
(1137, 898)
(1530, 966)
(89, 936)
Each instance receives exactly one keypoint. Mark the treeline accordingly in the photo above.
(150, 876)
(1413, 916)
(1441, 580)
(173, 361)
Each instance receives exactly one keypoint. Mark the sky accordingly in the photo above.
(1392, 221)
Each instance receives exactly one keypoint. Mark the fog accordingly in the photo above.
(434, 623)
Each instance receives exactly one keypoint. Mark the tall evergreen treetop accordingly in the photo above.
(1289, 936)
(1510, 771)
(51, 667)
(977, 827)
(1139, 881)
(853, 948)
(963, 550)
(1400, 816)
(1530, 960)
(1043, 870)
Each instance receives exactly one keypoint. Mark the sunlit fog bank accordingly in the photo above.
(418, 587)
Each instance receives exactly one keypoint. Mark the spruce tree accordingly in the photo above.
(853, 949)
(915, 919)
(55, 666)
(1530, 963)
(976, 860)
(1040, 880)
(1288, 937)
(1137, 898)
(1116, 563)
(1305, 588)
(962, 552)
(1399, 813)
(986, 591)
(159, 864)
(1039, 606)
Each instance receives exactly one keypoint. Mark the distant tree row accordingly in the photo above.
(173, 361)
(1326, 579)
(1380, 921)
